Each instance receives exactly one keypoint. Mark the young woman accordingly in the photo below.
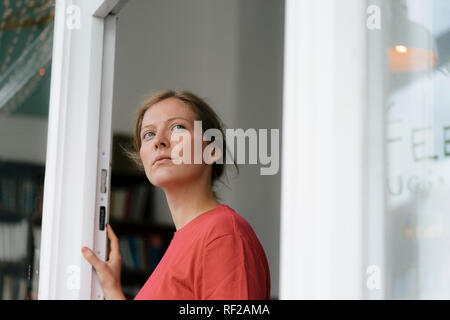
(214, 253)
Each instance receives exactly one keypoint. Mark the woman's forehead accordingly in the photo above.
(167, 109)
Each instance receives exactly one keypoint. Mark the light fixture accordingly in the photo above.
(401, 49)
(411, 47)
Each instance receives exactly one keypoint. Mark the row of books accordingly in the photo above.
(14, 287)
(13, 241)
(142, 252)
(20, 194)
(130, 203)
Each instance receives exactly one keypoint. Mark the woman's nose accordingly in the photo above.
(160, 141)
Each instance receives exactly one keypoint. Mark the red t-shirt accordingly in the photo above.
(216, 256)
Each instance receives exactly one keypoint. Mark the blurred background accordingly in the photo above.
(232, 54)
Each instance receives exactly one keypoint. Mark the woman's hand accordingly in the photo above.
(108, 271)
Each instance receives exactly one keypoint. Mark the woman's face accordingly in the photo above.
(162, 121)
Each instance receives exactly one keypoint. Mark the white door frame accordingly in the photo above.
(78, 147)
(323, 156)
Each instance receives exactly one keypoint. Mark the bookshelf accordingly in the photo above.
(21, 190)
(143, 241)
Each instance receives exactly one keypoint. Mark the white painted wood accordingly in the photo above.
(375, 234)
(104, 147)
(109, 7)
(322, 206)
(70, 187)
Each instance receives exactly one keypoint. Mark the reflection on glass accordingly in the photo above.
(418, 149)
(26, 34)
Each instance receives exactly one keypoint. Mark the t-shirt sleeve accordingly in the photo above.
(232, 270)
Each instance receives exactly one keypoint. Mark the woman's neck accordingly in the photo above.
(189, 200)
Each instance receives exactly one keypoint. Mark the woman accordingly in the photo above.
(214, 253)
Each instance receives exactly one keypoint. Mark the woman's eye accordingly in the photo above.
(179, 126)
(147, 135)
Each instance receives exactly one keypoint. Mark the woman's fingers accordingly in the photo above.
(109, 271)
(104, 273)
(114, 254)
(114, 251)
(90, 256)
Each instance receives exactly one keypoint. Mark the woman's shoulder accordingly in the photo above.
(226, 221)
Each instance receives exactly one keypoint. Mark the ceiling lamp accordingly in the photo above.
(412, 47)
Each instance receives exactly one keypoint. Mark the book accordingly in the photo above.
(14, 288)
(142, 252)
(14, 241)
(130, 203)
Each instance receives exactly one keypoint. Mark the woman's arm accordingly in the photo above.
(108, 271)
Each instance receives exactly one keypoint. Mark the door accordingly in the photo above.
(76, 197)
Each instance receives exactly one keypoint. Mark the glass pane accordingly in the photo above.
(415, 86)
(26, 34)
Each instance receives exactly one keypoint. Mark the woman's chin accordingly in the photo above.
(160, 180)
(162, 177)
(165, 177)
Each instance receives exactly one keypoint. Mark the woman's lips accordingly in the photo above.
(162, 161)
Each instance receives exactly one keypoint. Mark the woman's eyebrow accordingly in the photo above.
(170, 119)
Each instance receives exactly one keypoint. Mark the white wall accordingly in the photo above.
(23, 139)
(229, 52)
